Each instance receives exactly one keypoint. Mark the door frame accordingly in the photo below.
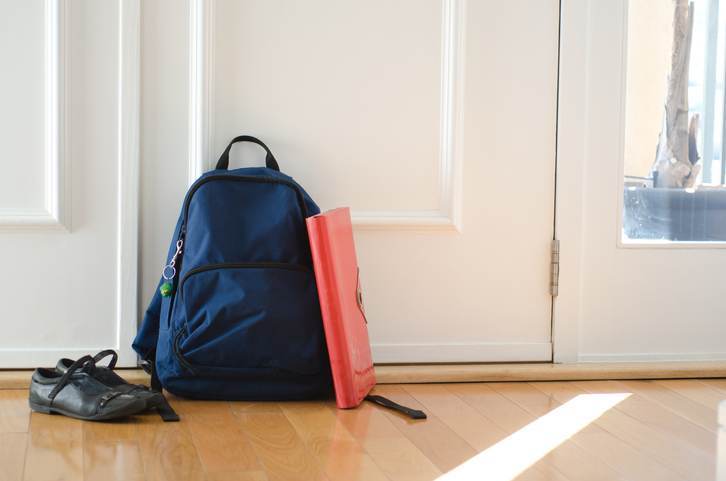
(569, 175)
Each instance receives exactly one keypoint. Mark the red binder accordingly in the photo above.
(341, 304)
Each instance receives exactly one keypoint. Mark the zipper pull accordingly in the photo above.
(167, 288)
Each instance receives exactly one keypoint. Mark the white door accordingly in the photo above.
(433, 119)
(643, 266)
(68, 126)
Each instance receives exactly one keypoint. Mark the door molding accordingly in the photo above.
(201, 82)
(448, 214)
(129, 105)
(55, 213)
(574, 99)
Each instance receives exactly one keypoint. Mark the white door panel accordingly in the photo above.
(22, 183)
(346, 92)
(435, 122)
(69, 263)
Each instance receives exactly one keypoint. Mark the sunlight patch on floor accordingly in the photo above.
(512, 455)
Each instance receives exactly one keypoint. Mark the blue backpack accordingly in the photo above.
(236, 314)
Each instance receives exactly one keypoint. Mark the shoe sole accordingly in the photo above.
(130, 410)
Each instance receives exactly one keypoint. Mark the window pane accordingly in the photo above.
(673, 157)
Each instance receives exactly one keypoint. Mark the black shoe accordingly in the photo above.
(106, 376)
(77, 394)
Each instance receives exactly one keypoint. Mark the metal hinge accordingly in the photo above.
(555, 268)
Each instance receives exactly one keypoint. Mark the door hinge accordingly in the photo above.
(555, 268)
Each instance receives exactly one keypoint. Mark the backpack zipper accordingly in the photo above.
(243, 265)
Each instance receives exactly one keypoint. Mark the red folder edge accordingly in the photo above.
(347, 342)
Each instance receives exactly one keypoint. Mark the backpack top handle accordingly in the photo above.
(270, 162)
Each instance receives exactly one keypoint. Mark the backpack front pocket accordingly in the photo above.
(238, 316)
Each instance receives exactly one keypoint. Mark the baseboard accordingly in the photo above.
(412, 353)
(20, 379)
(442, 373)
(654, 357)
(432, 373)
(24, 358)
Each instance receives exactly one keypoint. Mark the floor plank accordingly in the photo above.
(167, 451)
(474, 427)
(55, 449)
(695, 390)
(655, 414)
(718, 384)
(591, 464)
(513, 417)
(111, 452)
(219, 440)
(279, 448)
(336, 450)
(628, 459)
(654, 430)
(14, 411)
(500, 399)
(505, 413)
(438, 442)
(12, 455)
(237, 476)
(677, 403)
(393, 452)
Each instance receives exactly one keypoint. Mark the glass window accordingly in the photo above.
(675, 175)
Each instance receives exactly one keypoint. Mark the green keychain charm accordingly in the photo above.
(167, 287)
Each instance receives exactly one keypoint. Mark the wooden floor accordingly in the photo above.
(659, 430)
